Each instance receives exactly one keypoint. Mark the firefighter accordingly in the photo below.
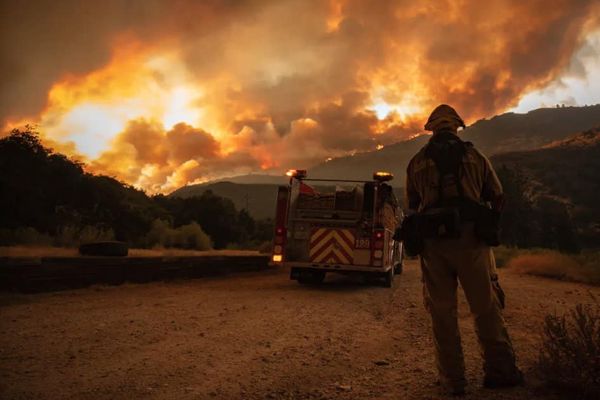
(448, 185)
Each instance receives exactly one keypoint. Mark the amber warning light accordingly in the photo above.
(382, 176)
(296, 173)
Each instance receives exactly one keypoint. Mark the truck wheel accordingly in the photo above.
(311, 277)
(399, 267)
(318, 277)
(388, 280)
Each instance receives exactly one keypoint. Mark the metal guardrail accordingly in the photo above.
(41, 274)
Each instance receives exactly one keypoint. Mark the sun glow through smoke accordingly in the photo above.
(90, 111)
(403, 111)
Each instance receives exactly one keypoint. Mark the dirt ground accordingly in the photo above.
(253, 336)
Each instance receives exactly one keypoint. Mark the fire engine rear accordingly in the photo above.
(326, 225)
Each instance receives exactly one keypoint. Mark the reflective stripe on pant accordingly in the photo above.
(468, 260)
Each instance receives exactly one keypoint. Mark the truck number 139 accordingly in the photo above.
(363, 243)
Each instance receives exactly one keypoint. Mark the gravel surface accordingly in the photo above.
(253, 336)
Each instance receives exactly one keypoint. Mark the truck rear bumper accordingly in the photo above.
(337, 267)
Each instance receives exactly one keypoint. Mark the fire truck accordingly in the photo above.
(344, 226)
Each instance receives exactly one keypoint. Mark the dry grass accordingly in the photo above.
(37, 251)
(583, 268)
(48, 251)
(188, 253)
(504, 254)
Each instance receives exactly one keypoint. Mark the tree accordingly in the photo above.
(518, 221)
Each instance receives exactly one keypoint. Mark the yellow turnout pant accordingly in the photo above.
(470, 261)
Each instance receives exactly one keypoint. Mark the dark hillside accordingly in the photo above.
(258, 199)
(46, 198)
(562, 178)
(515, 132)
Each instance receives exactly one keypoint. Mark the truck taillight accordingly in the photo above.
(280, 223)
(378, 237)
(278, 250)
(377, 249)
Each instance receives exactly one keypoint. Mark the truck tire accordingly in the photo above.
(398, 268)
(399, 265)
(311, 277)
(104, 249)
(388, 279)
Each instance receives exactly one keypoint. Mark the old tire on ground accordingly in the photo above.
(104, 249)
(388, 279)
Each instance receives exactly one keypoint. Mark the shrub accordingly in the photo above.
(159, 234)
(569, 359)
(27, 236)
(92, 234)
(190, 236)
(265, 247)
(67, 236)
(72, 236)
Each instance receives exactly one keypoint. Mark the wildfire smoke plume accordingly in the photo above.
(165, 93)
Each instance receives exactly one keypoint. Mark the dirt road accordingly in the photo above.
(252, 336)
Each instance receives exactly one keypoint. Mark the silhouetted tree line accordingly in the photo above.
(534, 220)
(46, 193)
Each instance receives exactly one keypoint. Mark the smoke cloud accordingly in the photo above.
(163, 93)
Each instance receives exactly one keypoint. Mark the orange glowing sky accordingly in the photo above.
(165, 93)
